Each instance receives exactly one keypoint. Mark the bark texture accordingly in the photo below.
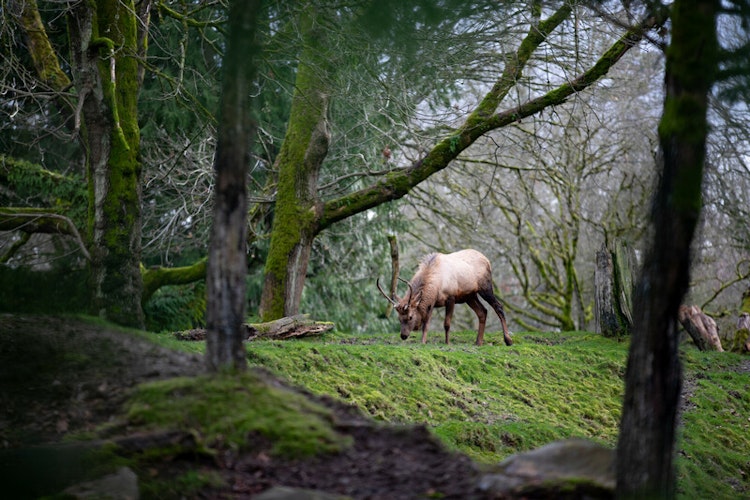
(395, 270)
(104, 48)
(305, 146)
(645, 451)
(227, 264)
(613, 291)
(741, 338)
(701, 328)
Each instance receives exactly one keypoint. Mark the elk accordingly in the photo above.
(444, 280)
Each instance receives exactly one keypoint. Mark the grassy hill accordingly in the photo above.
(68, 374)
(492, 401)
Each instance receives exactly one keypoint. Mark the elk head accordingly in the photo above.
(408, 314)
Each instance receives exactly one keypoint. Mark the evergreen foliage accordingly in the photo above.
(175, 308)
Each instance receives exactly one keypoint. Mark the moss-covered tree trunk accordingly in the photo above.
(305, 146)
(645, 451)
(227, 262)
(104, 46)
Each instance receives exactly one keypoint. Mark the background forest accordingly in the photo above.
(538, 194)
(527, 130)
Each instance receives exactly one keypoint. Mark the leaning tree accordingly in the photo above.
(302, 212)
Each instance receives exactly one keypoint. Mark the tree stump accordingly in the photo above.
(701, 328)
(613, 284)
(741, 340)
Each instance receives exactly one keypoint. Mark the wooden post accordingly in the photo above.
(395, 269)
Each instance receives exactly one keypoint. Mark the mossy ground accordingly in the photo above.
(489, 402)
(228, 411)
(492, 401)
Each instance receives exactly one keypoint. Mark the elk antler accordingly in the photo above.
(411, 290)
(390, 299)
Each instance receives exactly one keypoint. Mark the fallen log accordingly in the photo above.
(285, 328)
(701, 328)
(281, 329)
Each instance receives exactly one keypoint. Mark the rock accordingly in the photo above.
(563, 469)
(287, 493)
(122, 485)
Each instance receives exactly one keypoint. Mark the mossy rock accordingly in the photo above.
(573, 468)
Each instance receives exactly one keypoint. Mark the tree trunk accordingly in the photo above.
(701, 328)
(613, 291)
(741, 337)
(608, 321)
(745, 306)
(645, 450)
(305, 146)
(288, 328)
(227, 263)
(104, 50)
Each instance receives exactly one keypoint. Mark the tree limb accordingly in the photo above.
(397, 184)
(42, 54)
(157, 277)
(36, 220)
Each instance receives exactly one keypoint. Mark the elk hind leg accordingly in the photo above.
(481, 313)
(494, 302)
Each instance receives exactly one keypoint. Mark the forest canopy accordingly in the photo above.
(526, 131)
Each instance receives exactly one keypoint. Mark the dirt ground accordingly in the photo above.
(61, 375)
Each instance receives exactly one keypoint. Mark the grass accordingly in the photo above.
(487, 402)
(233, 411)
(713, 459)
(492, 401)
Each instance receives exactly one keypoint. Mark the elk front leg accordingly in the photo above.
(426, 325)
(481, 313)
(449, 304)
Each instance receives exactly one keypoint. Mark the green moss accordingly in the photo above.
(494, 401)
(715, 436)
(186, 485)
(516, 398)
(117, 253)
(740, 340)
(303, 150)
(745, 307)
(41, 51)
(231, 411)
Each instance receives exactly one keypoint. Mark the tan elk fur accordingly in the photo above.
(443, 280)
